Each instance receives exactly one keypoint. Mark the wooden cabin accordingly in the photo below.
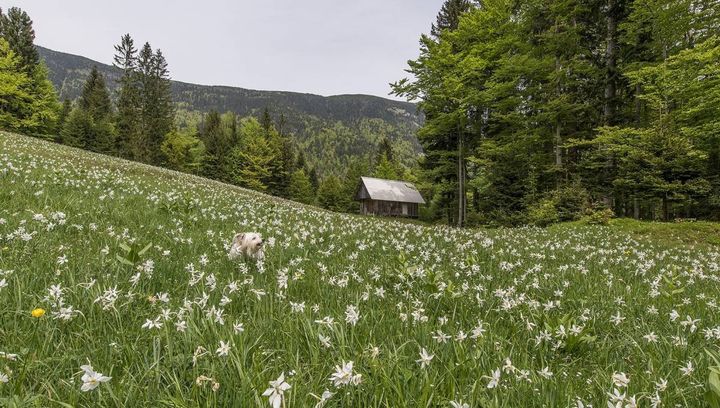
(388, 197)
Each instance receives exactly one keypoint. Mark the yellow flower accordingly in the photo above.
(38, 312)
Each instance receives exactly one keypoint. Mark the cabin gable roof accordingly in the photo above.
(389, 190)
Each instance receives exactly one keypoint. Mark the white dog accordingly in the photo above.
(247, 245)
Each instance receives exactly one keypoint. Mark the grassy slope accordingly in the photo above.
(517, 283)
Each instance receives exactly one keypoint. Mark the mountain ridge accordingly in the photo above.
(329, 129)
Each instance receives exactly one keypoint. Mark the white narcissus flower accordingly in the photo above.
(276, 390)
(91, 379)
(425, 358)
(326, 395)
(688, 369)
(545, 373)
(223, 350)
(352, 315)
(343, 375)
(494, 379)
(620, 380)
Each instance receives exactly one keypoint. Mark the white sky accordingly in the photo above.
(326, 47)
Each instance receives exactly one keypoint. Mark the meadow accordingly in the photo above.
(116, 290)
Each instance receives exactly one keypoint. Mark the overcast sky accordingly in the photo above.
(326, 47)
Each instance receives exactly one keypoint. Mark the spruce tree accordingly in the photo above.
(95, 97)
(17, 30)
(155, 102)
(266, 120)
(449, 16)
(299, 188)
(163, 121)
(128, 100)
(314, 179)
(331, 196)
(41, 116)
(78, 129)
(385, 150)
(217, 146)
(62, 117)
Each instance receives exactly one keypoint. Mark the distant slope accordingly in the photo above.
(329, 129)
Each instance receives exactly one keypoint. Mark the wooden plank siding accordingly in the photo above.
(388, 208)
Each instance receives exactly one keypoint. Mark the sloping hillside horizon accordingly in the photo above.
(329, 129)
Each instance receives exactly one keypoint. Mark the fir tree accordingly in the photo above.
(95, 97)
(330, 195)
(299, 188)
(41, 116)
(78, 129)
(449, 16)
(62, 117)
(128, 100)
(217, 146)
(16, 28)
(266, 120)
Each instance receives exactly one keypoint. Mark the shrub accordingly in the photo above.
(568, 203)
(543, 213)
(599, 216)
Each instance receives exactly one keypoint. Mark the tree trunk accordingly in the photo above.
(558, 137)
(636, 208)
(461, 182)
(638, 105)
(558, 146)
(611, 61)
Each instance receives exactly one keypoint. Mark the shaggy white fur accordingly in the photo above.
(247, 245)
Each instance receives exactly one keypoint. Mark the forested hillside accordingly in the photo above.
(543, 111)
(330, 130)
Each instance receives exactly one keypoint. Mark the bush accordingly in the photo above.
(543, 213)
(599, 216)
(568, 203)
(571, 202)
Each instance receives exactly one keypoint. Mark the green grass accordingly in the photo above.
(524, 286)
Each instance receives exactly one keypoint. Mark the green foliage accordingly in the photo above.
(356, 168)
(568, 203)
(15, 100)
(251, 163)
(521, 301)
(217, 144)
(331, 196)
(519, 101)
(386, 170)
(543, 213)
(599, 216)
(146, 111)
(449, 16)
(95, 97)
(28, 102)
(300, 189)
(16, 28)
(183, 152)
(63, 115)
(83, 131)
(712, 393)
(77, 129)
(128, 99)
(131, 254)
(330, 130)
(91, 124)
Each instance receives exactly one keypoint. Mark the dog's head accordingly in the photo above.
(250, 240)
